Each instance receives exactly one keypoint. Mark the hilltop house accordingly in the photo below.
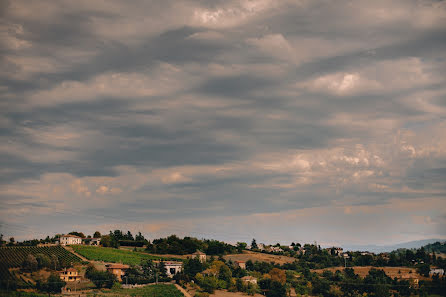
(117, 269)
(240, 264)
(70, 239)
(438, 271)
(69, 275)
(92, 241)
(249, 279)
(200, 255)
(173, 267)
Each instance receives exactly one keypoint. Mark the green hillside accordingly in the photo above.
(113, 255)
(12, 257)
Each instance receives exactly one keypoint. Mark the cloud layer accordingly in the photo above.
(285, 121)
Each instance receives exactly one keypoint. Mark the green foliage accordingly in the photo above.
(188, 245)
(113, 255)
(13, 257)
(53, 285)
(101, 279)
(192, 267)
(209, 284)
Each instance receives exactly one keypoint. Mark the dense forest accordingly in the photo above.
(188, 245)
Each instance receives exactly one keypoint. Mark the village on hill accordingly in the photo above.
(125, 265)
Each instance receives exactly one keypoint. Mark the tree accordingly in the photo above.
(80, 234)
(192, 267)
(209, 284)
(101, 279)
(224, 273)
(43, 261)
(139, 237)
(278, 275)
(241, 246)
(97, 234)
(30, 263)
(424, 269)
(53, 285)
(11, 241)
(254, 244)
(54, 262)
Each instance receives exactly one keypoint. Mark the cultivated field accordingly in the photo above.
(362, 271)
(161, 290)
(221, 293)
(253, 256)
(113, 255)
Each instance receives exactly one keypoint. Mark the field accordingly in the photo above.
(113, 255)
(253, 256)
(14, 256)
(161, 290)
(362, 271)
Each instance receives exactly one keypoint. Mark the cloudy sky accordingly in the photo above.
(279, 120)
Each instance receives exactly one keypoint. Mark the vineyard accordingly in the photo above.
(14, 256)
(113, 255)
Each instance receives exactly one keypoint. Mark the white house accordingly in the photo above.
(200, 255)
(438, 271)
(70, 239)
(173, 267)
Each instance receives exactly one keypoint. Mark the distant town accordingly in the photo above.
(122, 264)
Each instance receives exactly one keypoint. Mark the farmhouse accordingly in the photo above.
(117, 269)
(438, 271)
(200, 255)
(69, 275)
(92, 241)
(70, 239)
(173, 267)
(240, 264)
(249, 279)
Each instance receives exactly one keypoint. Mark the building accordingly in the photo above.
(200, 255)
(117, 269)
(438, 271)
(240, 264)
(92, 241)
(249, 279)
(336, 251)
(173, 267)
(70, 239)
(69, 275)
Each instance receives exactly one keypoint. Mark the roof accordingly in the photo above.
(198, 253)
(239, 261)
(71, 269)
(118, 266)
(248, 277)
(70, 235)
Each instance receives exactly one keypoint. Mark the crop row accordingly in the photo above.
(14, 256)
(113, 255)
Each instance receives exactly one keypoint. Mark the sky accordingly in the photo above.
(284, 121)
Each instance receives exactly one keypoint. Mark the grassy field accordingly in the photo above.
(161, 290)
(362, 271)
(253, 256)
(113, 255)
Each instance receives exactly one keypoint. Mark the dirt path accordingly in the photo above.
(185, 293)
(70, 249)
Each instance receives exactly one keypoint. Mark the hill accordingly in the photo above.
(114, 255)
(388, 248)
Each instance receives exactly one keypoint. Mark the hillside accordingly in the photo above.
(260, 257)
(389, 248)
(14, 256)
(114, 255)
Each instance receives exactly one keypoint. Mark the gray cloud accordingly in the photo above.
(239, 110)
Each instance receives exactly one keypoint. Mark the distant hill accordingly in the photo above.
(388, 248)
